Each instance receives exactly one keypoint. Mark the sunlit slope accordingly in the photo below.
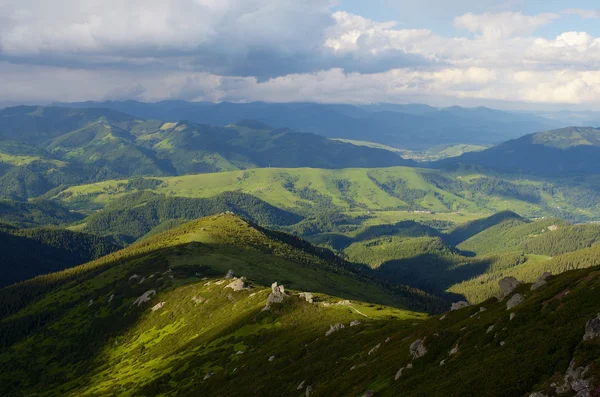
(355, 189)
(198, 337)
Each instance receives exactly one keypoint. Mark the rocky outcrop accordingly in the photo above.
(459, 305)
(399, 373)
(374, 349)
(309, 391)
(334, 328)
(577, 380)
(592, 329)
(158, 306)
(418, 349)
(276, 296)
(145, 297)
(237, 284)
(516, 300)
(541, 281)
(230, 274)
(307, 296)
(507, 286)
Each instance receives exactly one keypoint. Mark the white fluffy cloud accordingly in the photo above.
(285, 50)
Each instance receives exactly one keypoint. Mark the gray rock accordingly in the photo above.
(409, 366)
(271, 359)
(490, 329)
(134, 277)
(301, 385)
(307, 296)
(502, 343)
(541, 281)
(158, 306)
(145, 297)
(538, 394)
(354, 323)
(459, 305)
(334, 328)
(399, 373)
(230, 274)
(374, 349)
(482, 309)
(309, 391)
(91, 302)
(236, 285)
(516, 300)
(368, 393)
(453, 351)
(575, 380)
(276, 296)
(592, 329)
(418, 349)
(507, 286)
(111, 298)
(512, 316)
(443, 317)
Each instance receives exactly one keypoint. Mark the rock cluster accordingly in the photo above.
(459, 305)
(276, 296)
(576, 380)
(541, 281)
(592, 329)
(418, 349)
(145, 297)
(516, 300)
(507, 286)
(307, 296)
(334, 328)
(237, 284)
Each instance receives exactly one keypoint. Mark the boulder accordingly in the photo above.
(459, 305)
(577, 381)
(375, 348)
(236, 285)
(309, 391)
(516, 300)
(541, 281)
(307, 296)
(592, 329)
(453, 351)
(276, 296)
(334, 328)
(418, 349)
(145, 297)
(399, 373)
(230, 274)
(507, 286)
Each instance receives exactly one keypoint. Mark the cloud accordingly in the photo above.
(262, 38)
(503, 24)
(285, 50)
(582, 13)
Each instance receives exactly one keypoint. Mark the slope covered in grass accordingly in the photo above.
(196, 336)
(36, 213)
(137, 214)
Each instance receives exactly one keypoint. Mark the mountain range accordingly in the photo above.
(400, 126)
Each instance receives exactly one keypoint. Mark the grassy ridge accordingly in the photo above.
(206, 339)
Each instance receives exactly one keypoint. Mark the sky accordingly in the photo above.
(513, 54)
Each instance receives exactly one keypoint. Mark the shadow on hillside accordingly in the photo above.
(432, 273)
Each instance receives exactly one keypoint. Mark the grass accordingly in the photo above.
(209, 340)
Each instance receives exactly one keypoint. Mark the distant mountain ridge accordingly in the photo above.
(43, 148)
(410, 126)
(565, 151)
